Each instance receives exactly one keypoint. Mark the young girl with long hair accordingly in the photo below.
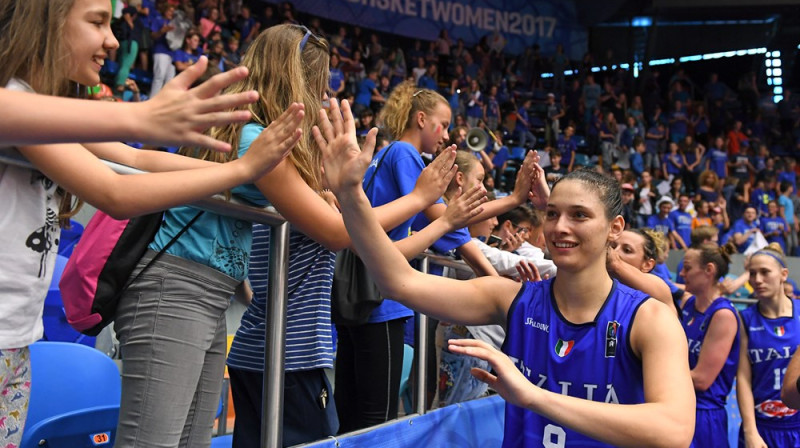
(711, 324)
(770, 331)
(610, 364)
(51, 47)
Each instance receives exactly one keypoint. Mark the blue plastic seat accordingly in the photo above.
(75, 395)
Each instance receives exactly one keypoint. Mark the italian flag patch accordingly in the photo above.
(779, 331)
(564, 347)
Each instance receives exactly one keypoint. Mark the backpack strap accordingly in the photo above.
(160, 253)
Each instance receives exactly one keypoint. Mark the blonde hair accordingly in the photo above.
(282, 73)
(466, 162)
(33, 49)
(773, 250)
(402, 105)
(32, 45)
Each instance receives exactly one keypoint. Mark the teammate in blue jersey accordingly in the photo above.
(711, 325)
(770, 334)
(611, 364)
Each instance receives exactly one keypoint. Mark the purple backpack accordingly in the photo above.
(99, 269)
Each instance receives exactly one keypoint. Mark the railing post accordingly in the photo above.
(275, 348)
(421, 353)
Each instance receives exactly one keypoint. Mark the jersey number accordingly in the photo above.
(557, 432)
(778, 377)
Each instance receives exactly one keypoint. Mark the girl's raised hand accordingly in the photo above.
(540, 191)
(179, 114)
(343, 162)
(522, 186)
(528, 272)
(435, 178)
(464, 206)
(508, 381)
(275, 142)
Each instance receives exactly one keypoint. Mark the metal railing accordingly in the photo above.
(420, 354)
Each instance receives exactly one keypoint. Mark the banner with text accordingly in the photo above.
(520, 23)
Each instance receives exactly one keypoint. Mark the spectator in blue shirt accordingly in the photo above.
(163, 69)
(567, 148)
(337, 82)
(428, 80)
(788, 174)
(682, 221)
(744, 229)
(662, 223)
(774, 226)
(637, 156)
(522, 127)
(717, 160)
(187, 55)
(654, 138)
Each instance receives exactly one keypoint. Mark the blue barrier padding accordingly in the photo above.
(473, 424)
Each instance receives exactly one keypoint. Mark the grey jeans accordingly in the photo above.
(171, 327)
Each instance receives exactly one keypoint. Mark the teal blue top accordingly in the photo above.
(217, 241)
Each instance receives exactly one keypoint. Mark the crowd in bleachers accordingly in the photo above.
(664, 133)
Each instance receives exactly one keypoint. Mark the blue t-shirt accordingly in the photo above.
(788, 208)
(651, 144)
(788, 176)
(365, 88)
(769, 224)
(426, 82)
(492, 107)
(760, 199)
(397, 176)
(659, 224)
(770, 345)
(567, 148)
(520, 126)
(637, 163)
(742, 227)
(682, 222)
(673, 162)
(160, 45)
(679, 127)
(592, 361)
(695, 324)
(337, 79)
(220, 242)
(182, 55)
(309, 340)
(717, 160)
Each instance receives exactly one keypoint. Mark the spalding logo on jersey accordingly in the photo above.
(775, 408)
(612, 328)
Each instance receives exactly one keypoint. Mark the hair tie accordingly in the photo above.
(770, 254)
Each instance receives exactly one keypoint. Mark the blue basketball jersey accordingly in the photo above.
(592, 360)
(771, 343)
(695, 324)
